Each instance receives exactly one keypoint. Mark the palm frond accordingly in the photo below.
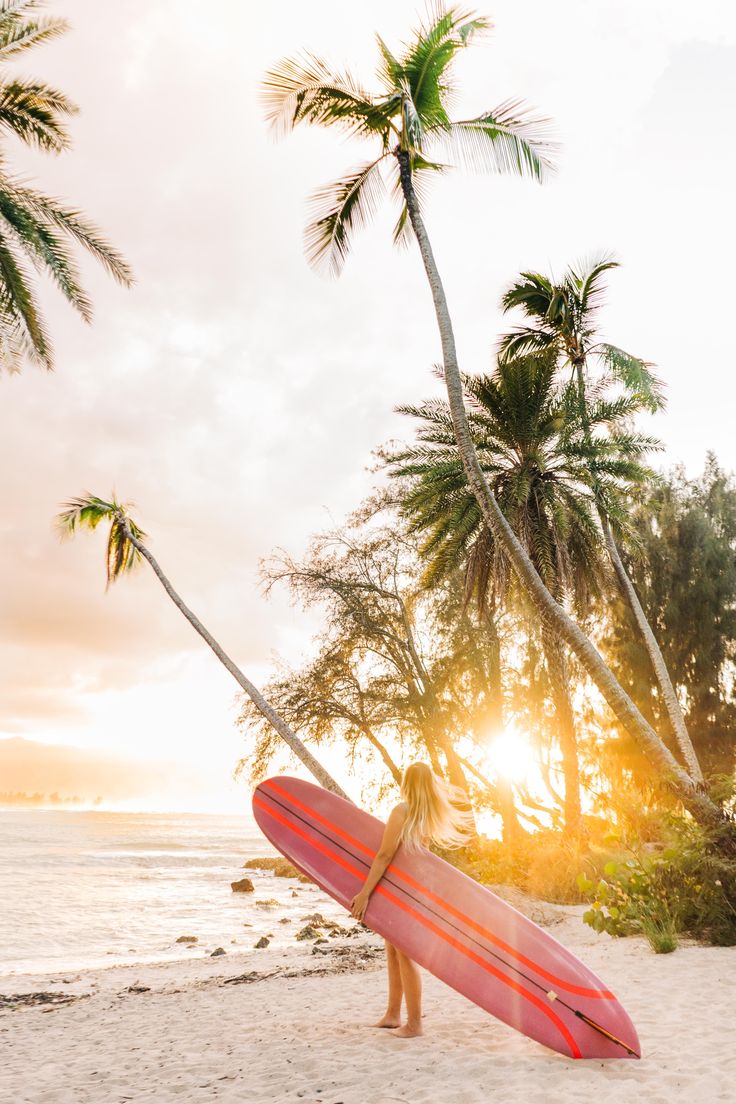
(338, 209)
(635, 374)
(390, 71)
(85, 512)
(19, 31)
(305, 90)
(19, 313)
(31, 111)
(53, 213)
(532, 292)
(47, 250)
(523, 340)
(508, 139)
(587, 277)
(426, 63)
(89, 511)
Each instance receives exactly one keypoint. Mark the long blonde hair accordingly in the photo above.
(433, 813)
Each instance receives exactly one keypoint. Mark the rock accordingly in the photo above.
(294, 893)
(319, 921)
(284, 920)
(187, 939)
(138, 988)
(281, 868)
(320, 940)
(271, 902)
(262, 942)
(309, 932)
(243, 885)
(217, 952)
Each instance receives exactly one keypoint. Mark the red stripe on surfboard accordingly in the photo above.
(455, 943)
(578, 990)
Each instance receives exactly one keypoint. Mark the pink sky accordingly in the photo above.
(236, 397)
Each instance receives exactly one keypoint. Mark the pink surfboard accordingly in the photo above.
(451, 925)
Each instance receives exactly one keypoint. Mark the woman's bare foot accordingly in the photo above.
(388, 1021)
(407, 1032)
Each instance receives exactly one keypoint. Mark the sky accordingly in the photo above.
(235, 396)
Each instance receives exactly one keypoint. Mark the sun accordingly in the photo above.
(510, 755)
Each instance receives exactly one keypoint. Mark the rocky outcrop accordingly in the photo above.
(280, 868)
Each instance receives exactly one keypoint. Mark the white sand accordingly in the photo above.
(306, 1039)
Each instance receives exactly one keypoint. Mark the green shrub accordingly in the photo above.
(661, 933)
(688, 887)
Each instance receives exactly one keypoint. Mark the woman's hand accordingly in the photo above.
(359, 904)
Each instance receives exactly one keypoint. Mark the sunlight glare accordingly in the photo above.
(510, 755)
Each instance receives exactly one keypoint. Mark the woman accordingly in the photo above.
(425, 815)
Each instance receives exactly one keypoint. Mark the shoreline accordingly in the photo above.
(292, 1026)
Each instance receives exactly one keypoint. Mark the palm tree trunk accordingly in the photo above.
(554, 654)
(667, 690)
(662, 675)
(624, 709)
(301, 751)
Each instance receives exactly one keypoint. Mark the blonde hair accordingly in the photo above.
(433, 813)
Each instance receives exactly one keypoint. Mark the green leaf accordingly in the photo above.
(305, 90)
(339, 209)
(636, 375)
(508, 139)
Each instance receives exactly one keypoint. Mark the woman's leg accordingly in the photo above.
(392, 1017)
(411, 982)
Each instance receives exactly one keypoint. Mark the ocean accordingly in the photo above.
(87, 889)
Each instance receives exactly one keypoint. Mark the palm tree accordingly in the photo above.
(36, 229)
(563, 318)
(536, 458)
(126, 548)
(408, 120)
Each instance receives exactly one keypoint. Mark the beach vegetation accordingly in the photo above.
(682, 886)
(409, 123)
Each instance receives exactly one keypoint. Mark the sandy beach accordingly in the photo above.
(294, 1026)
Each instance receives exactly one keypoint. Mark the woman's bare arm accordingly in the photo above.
(384, 855)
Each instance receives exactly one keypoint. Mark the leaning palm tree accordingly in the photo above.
(126, 548)
(563, 317)
(536, 456)
(409, 123)
(36, 230)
